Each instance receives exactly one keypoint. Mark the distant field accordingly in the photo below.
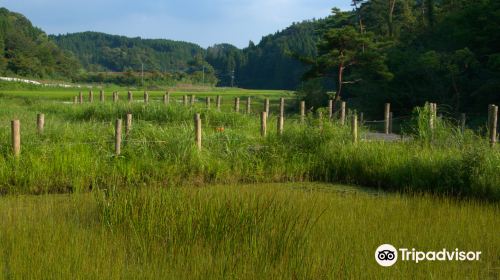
(269, 231)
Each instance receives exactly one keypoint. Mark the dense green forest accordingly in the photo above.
(27, 51)
(407, 52)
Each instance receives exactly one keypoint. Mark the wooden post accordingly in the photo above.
(75, 100)
(320, 120)
(493, 124)
(16, 137)
(146, 97)
(101, 95)
(218, 101)
(354, 128)
(118, 136)
(263, 124)
(237, 104)
(130, 96)
(128, 125)
(185, 100)
(197, 129)
(390, 122)
(387, 116)
(281, 122)
(249, 105)
(115, 97)
(207, 101)
(166, 98)
(302, 111)
(266, 107)
(91, 96)
(463, 119)
(40, 123)
(80, 98)
(342, 113)
(282, 106)
(361, 118)
(330, 109)
(192, 100)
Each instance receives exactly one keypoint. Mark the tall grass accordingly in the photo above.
(76, 152)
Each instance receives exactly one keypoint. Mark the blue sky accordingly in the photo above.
(204, 22)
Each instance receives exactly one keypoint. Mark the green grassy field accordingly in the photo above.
(163, 209)
(292, 231)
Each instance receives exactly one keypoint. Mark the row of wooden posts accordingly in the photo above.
(492, 122)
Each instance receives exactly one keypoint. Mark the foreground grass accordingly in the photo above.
(293, 231)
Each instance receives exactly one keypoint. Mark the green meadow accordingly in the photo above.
(307, 204)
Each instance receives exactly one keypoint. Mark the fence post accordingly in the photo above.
(207, 101)
(237, 104)
(218, 101)
(281, 122)
(91, 96)
(75, 100)
(263, 124)
(16, 137)
(302, 111)
(330, 109)
(146, 97)
(40, 123)
(390, 122)
(361, 118)
(185, 100)
(197, 128)
(128, 125)
(192, 99)
(354, 128)
(320, 120)
(130, 96)
(282, 106)
(118, 136)
(101, 95)
(249, 105)
(115, 97)
(266, 107)
(343, 112)
(80, 98)
(493, 124)
(463, 119)
(387, 116)
(166, 98)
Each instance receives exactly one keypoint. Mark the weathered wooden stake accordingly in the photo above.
(330, 109)
(237, 104)
(387, 116)
(354, 128)
(130, 96)
(192, 100)
(282, 106)
(185, 100)
(197, 129)
(263, 124)
(463, 120)
(118, 137)
(91, 96)
(207, 101)
(320, 120)
(101, 95)
(266, 107)
(281, 122)
(302, 111)
(249, 105)
(115, 97)
(40, 123)
(80, 98)
(343, 112)
(493, 124)
(75, 100)
(218, 102)
(390, 122)
(361, 118)
(128, 125)
(166, 98)
(16, 137)
(146, 97)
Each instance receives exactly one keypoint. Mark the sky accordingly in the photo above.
(204, 22)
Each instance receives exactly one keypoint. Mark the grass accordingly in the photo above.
(268, 231)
